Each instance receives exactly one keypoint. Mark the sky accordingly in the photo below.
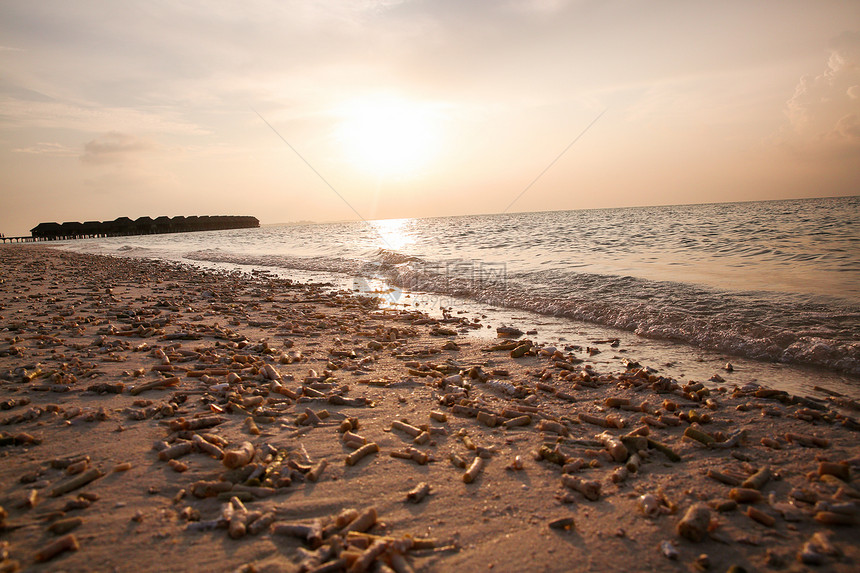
(334, 110)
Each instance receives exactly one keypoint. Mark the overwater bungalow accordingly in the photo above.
(141, 226)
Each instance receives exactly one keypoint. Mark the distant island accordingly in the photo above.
(123, 226)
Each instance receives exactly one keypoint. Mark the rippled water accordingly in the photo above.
(774, 280)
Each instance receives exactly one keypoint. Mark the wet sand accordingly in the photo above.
(159, 417)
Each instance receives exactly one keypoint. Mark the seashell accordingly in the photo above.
(565, 523)
(805, 495)
(517, 464)
(807, 441)
(362, 522)
(438, 416)
(502, 331)
(78, 467)
(261, 523)
(633, 463)
(518, 421)
(78, 481)
(177, 466)
(817, 549)
(668, 550)
(413, 454)
(723, 505)
(418, 493)
(758, 479)
(614, 402)
(177, 450)
(664, 449)
(65, 525)
(404, 427)
(503, 386)
(365, 450)
(614, 446)
(155, 385)
(421, 438)
(788, 511)
(839, 470)
(474, 469)
(554, 427)
(648, 504)
(619, 475)
(203, 489)
(652, 421)
(315, 472)
(694, 525)
(610, 421)
(835, 518)
(348, 425)
(521, 350)
(252, 426)
(311, 533)
(810, 555)
(207, 447)
(760, 516)
(745, 495)
(731, 441)
(240, 456)
(588, 488)
(66, 543)
(725, 478)
(700, 436)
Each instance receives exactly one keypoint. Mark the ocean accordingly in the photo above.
(768, 283)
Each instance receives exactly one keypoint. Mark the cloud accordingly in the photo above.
(47, 148)
(27, 112)
(825, 108)
(539, 6)
(115, 147)
(849, 127)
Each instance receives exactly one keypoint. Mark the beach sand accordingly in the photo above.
(135, 376)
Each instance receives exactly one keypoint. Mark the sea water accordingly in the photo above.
(775, 282)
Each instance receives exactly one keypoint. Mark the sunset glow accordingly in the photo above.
(420, 109)
(388, 136)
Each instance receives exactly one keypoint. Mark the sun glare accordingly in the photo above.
(388, 136)
(393, 233)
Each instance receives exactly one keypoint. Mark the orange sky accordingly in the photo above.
(420, 108)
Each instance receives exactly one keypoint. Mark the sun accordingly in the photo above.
(388, 135)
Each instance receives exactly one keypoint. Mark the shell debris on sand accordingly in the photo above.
(257, 387)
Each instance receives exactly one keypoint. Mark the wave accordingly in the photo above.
(794, 329)
(392, 257)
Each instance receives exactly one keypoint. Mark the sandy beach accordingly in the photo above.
(157, 417)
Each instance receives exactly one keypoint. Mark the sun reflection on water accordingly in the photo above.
(393, 234)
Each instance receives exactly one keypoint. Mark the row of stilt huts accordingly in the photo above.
(124, 226)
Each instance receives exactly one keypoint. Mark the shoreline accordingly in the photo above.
(239, 350)
(678, 359)
(796, 327)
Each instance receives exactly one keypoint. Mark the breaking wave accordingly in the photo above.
(790, 328)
